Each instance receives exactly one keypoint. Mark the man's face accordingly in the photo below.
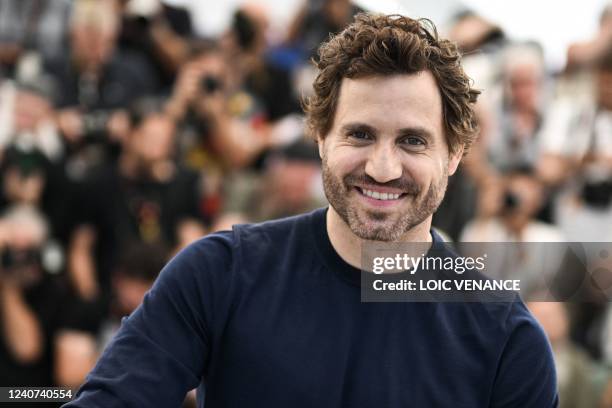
(386, 161)
(30, 110)
(524, 86)
(93, 46)
(153, 139)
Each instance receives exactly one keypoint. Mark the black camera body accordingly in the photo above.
(511, 201)
(26, 163)
(597, 194)
(210, 84)
(13, 259)
(245, 29)
(95, 122)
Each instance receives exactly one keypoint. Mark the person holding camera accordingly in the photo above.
(159, 33)
(144, 197)
(96, 81)
(507, 211)
(577, 158)
(31, 304)
(231, 96)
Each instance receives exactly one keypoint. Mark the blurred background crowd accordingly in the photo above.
(126, 132)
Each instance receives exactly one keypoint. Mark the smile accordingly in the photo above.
(377, 195)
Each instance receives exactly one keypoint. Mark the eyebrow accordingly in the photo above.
(407, 131)
(357, 126)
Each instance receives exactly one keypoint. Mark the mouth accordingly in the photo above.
(380, 198)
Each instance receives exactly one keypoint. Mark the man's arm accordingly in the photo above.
(22, 331)
(161, 350)
(526, 377)
(81, 265)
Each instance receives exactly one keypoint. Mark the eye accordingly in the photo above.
(413, 142)
(360, 135)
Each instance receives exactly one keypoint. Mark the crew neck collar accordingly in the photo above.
(332, 259)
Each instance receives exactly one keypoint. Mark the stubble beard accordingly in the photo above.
(382, 225)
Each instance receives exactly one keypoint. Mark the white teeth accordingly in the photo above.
(380, 196)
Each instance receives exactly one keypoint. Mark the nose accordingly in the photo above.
(384, 164)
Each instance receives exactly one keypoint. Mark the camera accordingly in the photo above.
(26, 163)
(13, 259)
(597, 194)
(95, 122)
(210, 84)
(245, 30)
(511, 201)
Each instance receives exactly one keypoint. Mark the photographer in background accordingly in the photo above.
(507, 212)
(519, 109)
(31, 299)
(245, 46)
(230, 97)
(27, 116)
(32, 150)
(209, 137)
(159, 33)
(316, 20)
(96, 82)
(144, 197)
(577, 159)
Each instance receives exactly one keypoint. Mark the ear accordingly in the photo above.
(454, 161)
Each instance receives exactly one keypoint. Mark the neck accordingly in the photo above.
(128, 165)
(348, 245)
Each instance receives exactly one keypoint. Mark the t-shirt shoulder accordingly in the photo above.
(271, 240)
(224, 255)
(213, 253)
(273, 228)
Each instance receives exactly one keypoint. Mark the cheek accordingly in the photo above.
(345, 159)
(424, 170)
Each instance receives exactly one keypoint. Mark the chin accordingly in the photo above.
(375, 226)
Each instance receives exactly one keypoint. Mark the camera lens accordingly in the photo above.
(210, 84)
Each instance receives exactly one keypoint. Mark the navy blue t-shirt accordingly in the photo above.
(269, 315)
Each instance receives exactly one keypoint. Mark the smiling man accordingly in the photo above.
(386, 161)
(270, 315)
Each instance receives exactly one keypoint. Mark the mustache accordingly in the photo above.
(405, 184)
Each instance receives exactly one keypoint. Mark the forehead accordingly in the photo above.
(156, 121)
(391, 102)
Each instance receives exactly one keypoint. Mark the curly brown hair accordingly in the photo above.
(377, 44)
